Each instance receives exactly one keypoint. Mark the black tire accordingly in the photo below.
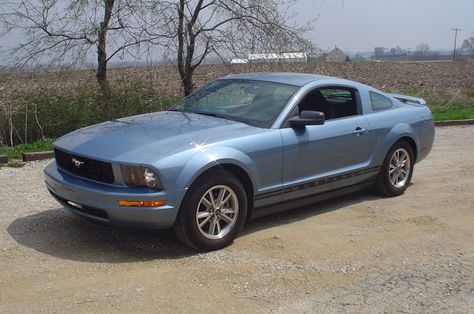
(187, 228)
(384, 185)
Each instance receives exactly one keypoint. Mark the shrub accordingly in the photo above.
(50, 113)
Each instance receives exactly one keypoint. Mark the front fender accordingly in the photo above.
(211, 157)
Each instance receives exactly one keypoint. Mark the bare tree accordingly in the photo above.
(422, 49)
(467, 46)
(70, 31)
(218, 27)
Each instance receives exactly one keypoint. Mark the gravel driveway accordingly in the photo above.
(359, 253)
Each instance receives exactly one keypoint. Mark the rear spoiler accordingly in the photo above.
(410, 100)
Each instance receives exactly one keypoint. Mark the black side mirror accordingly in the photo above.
(307, 117)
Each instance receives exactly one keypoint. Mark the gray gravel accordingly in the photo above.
(359, 253)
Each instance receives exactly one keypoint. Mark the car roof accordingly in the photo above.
(296, 79)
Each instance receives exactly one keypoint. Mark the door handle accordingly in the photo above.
(359, 131)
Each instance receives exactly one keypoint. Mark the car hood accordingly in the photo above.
(150, 137)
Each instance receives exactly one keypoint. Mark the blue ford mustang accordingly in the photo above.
(240, 147)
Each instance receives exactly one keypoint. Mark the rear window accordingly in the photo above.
(380, 102)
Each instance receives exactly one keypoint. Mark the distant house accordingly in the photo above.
(336, 55)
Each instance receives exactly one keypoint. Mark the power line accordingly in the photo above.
(456, 30)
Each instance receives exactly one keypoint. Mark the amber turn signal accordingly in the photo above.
(142, 203)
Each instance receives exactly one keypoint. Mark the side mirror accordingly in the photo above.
(307, 117)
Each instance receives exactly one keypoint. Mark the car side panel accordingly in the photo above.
(325, 157)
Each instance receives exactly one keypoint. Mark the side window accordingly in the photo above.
(335, 102)
(379, 102)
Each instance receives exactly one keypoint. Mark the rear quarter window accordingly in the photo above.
(380, 102)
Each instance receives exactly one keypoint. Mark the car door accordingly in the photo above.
(319, 158)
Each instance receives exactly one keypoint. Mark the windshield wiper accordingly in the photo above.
(208, 114)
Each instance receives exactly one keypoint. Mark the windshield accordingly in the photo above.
(255, 103)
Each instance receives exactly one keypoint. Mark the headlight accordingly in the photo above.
(140, 176)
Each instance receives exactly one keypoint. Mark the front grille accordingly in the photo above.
(85, 167)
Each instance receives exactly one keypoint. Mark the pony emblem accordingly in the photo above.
(77, 163)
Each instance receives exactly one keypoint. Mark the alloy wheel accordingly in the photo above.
(217, 212)
(399, 168)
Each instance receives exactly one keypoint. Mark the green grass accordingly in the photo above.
(453, 113)
(445, 106)
(38, 146)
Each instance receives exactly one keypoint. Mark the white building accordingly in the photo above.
(239, 61)
(272, 57)
(278, 57)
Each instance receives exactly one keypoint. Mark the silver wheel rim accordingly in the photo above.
(399, 169)
(217, 212)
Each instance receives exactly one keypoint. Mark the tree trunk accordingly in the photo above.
(101, 73)
(187, 83)
(186, 37)
(180, 52)
(187, 78)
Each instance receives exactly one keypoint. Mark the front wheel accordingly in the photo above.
(397, 170)
(213, 212)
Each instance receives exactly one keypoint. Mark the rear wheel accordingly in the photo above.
(397, 170)
(213, 212)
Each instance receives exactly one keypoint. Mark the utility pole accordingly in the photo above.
(456, 30)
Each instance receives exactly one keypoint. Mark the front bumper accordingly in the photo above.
(99, 202)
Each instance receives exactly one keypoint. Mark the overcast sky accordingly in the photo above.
(360, 25)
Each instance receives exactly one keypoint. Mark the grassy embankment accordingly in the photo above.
(48, 114)
(458, 106)
(45, 114)
(453, 113)
(15, 152)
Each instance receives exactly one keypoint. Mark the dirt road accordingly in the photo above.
(359, 253)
